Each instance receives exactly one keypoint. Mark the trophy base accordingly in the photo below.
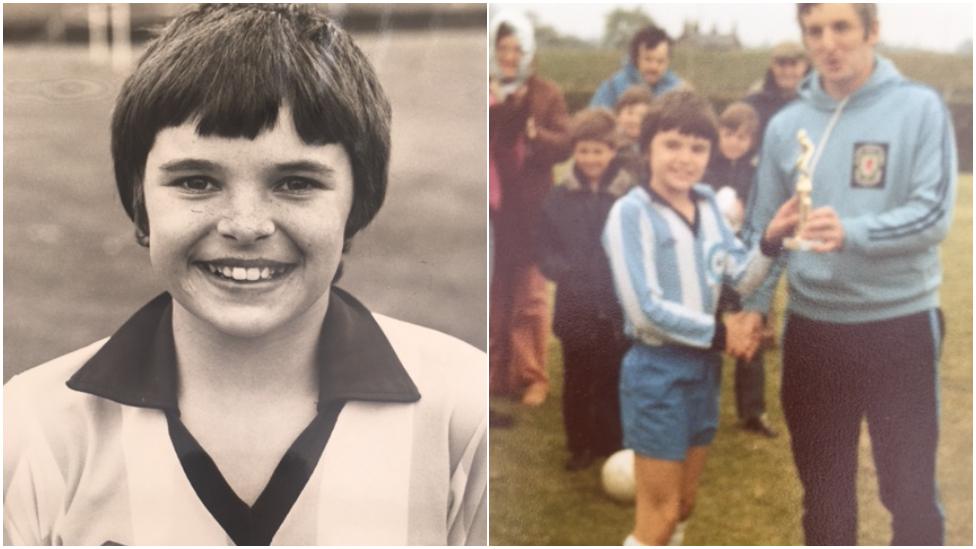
(798, 244)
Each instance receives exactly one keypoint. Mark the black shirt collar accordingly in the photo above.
(696, 196)
(137, 365)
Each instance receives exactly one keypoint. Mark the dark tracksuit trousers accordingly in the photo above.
(835, 375)
(591, 403)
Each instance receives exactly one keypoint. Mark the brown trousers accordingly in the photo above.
(518, 327)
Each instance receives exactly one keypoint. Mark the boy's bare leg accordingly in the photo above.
(694, 465)
(659, 493)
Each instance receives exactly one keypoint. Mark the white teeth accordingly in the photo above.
(248, 274)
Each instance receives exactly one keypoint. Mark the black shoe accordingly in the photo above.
(498, 420)
(759, 426)
(578, 462)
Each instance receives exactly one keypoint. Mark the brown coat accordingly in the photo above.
(525, 165)
(519, 327)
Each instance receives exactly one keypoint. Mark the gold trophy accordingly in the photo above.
(804, 186)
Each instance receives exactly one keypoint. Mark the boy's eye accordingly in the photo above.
(196, 184)
(298, 185)
(699, 149)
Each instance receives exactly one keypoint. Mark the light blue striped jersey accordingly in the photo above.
(668, 272)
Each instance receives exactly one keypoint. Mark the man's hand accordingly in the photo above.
(743, 334)
(824, 229)
(783, 222)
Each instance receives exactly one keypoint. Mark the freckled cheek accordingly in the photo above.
(173, 229)
(317, 237)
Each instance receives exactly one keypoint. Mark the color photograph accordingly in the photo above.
(731, 297)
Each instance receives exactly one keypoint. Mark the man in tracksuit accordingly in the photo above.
(863, 329)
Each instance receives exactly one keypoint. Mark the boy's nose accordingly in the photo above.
(246, 224)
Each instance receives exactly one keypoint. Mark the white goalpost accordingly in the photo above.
(101, 49)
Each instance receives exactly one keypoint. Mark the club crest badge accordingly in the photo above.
(870, 164)
(715, 260)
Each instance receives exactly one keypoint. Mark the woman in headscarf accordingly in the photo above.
(529, 132)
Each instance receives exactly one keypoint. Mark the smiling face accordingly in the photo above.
(840, 47)
(629, 119)
(652, 63)
(592, 158)
(734, 143)
(508, 54)
(787, 73)
(247, 234)
(677, 162)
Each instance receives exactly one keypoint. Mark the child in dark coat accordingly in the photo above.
(730, 172)
(630, 110)
(587, 318)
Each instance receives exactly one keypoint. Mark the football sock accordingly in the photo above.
(632, 541)
(678, 536)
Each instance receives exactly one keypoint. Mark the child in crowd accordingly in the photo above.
(587, 318)
(253, 402)
(733, 165)
(630, 110)
(730, 173)
(670, 250)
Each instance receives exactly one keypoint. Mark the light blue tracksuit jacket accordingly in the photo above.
(612, 88)
(885, 160)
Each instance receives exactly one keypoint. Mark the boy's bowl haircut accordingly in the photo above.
(685, 111)
(231, 68)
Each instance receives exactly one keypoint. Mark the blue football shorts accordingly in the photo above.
(669, 399)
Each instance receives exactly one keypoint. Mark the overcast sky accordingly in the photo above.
(940, 27)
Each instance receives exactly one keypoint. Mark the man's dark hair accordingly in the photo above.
(868, 13)
(684, 111)
(649, 37)
(230, 69)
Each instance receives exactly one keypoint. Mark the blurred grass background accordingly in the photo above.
(749, 493)
(73, 272)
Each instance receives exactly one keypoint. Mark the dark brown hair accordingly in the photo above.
(868, 13)
(684, 111)
(230, 68)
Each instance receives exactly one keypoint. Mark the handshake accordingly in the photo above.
(744, 334)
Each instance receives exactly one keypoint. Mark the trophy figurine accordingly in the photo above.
(804, 186)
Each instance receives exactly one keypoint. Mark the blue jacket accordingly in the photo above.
(888, 167)
(611, 88)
